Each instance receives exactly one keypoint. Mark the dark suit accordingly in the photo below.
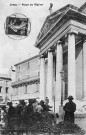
(69, 109)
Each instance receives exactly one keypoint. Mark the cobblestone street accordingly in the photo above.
(81, 123)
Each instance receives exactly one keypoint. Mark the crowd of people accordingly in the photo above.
(38, 117)
(36, 111)
(28, 114)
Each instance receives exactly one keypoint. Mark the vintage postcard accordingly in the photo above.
(43, 67)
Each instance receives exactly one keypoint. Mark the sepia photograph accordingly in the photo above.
(42, 67)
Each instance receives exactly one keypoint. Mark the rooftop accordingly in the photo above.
(4, 77)
(31, 58)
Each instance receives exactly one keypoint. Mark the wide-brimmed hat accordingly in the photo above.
(41, 102)
(70, 97)
(22, 102)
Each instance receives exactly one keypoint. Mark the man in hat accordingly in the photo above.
(69, 108)
(11, 110)
(10, 114)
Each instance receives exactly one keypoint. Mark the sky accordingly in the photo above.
(14, 51)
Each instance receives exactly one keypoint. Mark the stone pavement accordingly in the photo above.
(81, 122)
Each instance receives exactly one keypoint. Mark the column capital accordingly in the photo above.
(72, 32)
(42, 56)
(59, 42)
(50, 50)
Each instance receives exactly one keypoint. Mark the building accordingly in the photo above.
(26, 85)
(62, 44)
(5, 88)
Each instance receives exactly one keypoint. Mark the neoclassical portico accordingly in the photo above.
(59, 67)
(64, 41)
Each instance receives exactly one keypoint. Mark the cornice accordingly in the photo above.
(54, 18)
(25, 82)
(56, 36)
(69, 14)
(49, 33)
(71, 26)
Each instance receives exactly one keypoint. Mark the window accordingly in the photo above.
(18, 68)
(38, 73)
(6, 89)
(25, 88)
(28, 65)
(0, 89)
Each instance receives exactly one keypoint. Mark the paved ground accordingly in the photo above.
(81, 123)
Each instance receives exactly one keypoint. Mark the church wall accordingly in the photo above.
(79, 74)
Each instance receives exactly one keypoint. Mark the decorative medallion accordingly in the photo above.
(17, 26)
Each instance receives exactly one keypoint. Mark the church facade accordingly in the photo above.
(62, 44)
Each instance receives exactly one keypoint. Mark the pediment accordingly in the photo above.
(52, 20)
(49, 23)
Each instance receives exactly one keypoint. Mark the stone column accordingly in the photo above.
(84, 69)
(71, 65)
(50, 76)
(42, 78)
(59, 66)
